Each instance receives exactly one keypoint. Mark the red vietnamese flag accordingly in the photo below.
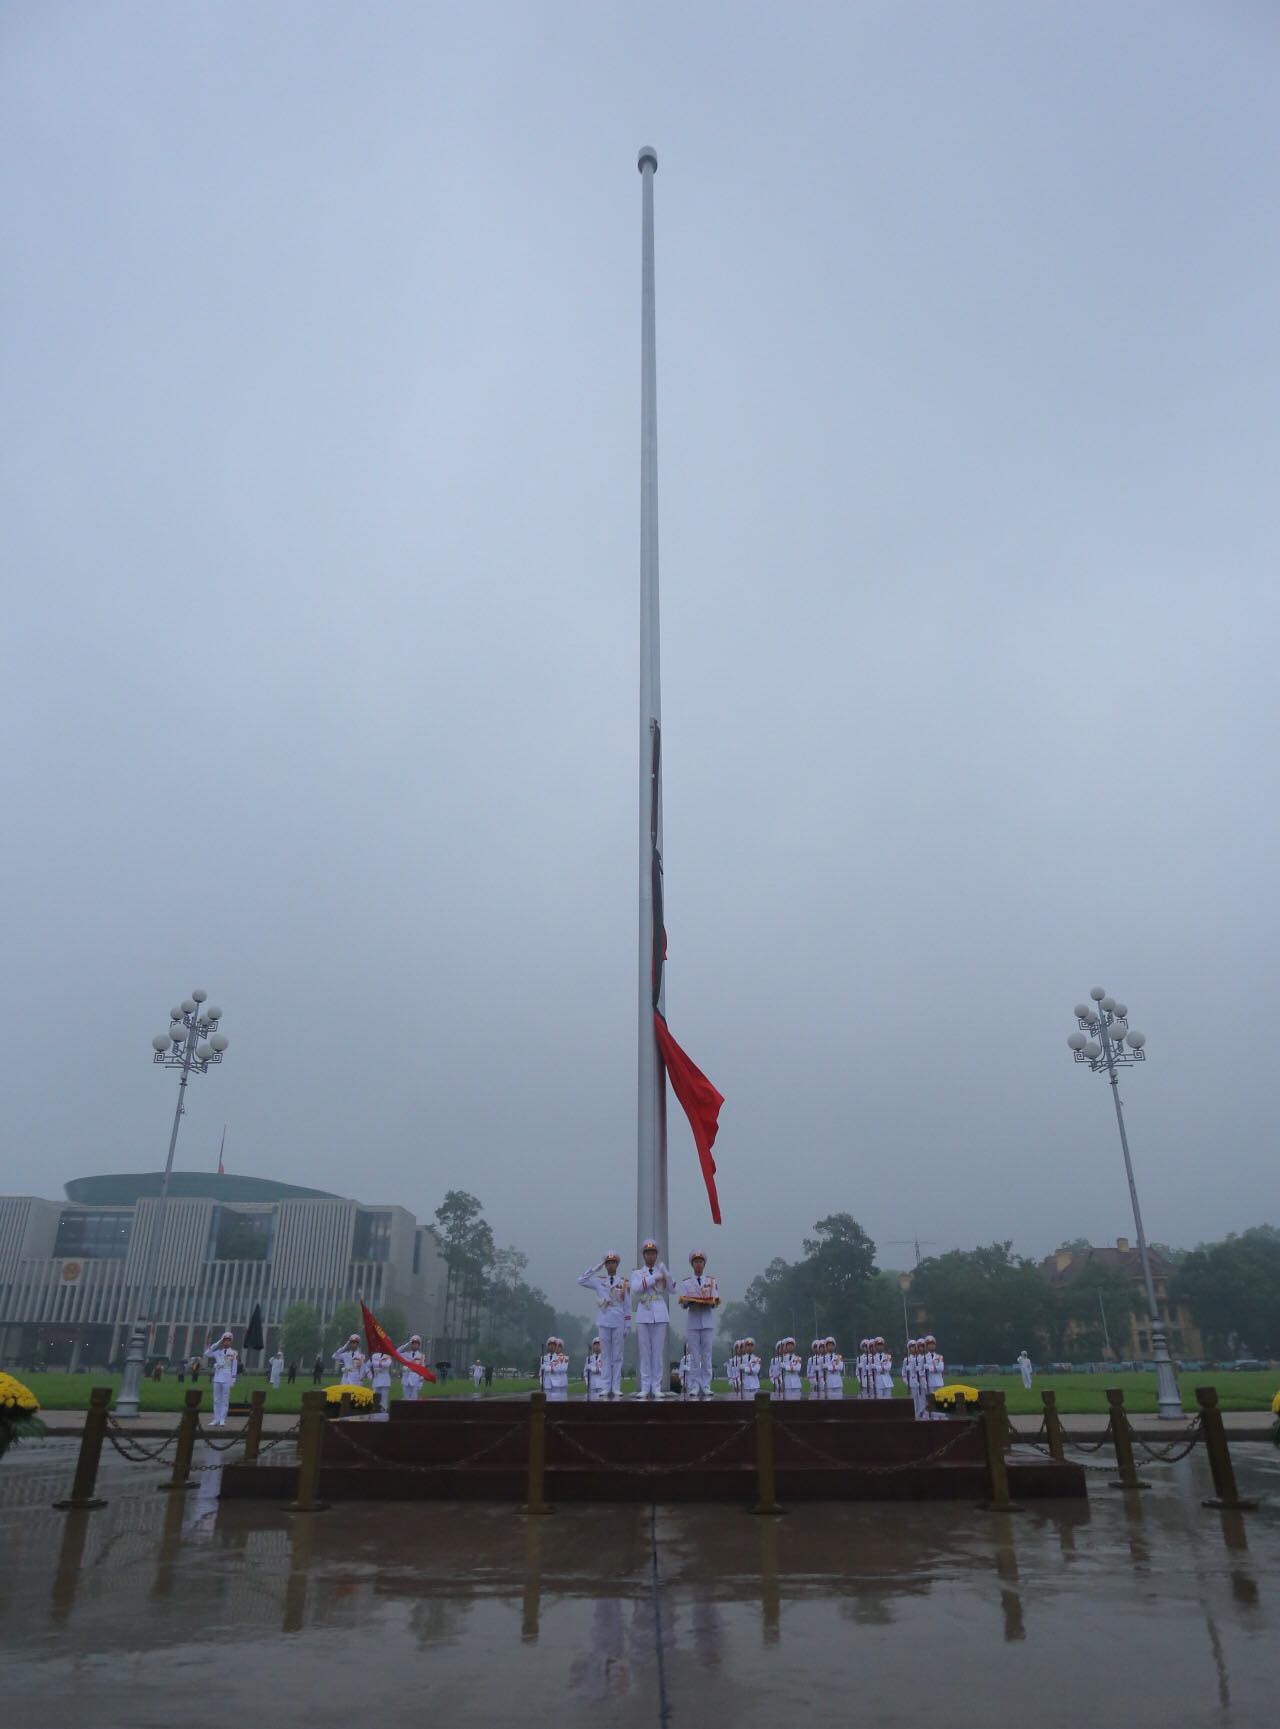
(378, 1339)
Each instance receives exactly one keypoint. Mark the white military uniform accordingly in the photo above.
(378, 1374)
(913, 1374)
(477, 1376)
(835, 1374)
(862, 1369)
(277, 1369)
(613, 1317)
(1024, 1369)
(411, 1384)
(790, 1366)
(226, 1366)
(649, 1289)
(935, 1373)
(560, 1373)
(748, 1375)
(593, 1373)
(699, 1332)
(350, 1360)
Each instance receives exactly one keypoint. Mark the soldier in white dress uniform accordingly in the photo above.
(547, 1366)
(882, 1365)
(790, 1367)
(412, 1352)
(1024, 1369)
(593, 1373)
(913, 1376)
(832, 1369)
(378, 1374)
(350, 1360)
(477, 1375)
(700, 1323)
(225, 1359)
(935, 1369)
(748, 1370)
(613, 1317)
(862, 1370)
(276, 1367)
(651, 1285)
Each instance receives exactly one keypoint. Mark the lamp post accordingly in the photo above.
(1105, 1042)
(192, 1045)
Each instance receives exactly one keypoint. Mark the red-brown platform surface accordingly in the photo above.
(628, 1450)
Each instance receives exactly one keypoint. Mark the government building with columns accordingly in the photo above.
(70, 1270)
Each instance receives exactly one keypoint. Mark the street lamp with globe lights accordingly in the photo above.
(1105, 1041)
(193, 1044)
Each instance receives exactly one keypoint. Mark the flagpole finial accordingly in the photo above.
(647, 155)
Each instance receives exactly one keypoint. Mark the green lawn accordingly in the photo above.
(1245, 1390)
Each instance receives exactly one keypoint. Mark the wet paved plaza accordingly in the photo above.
(172, 1610)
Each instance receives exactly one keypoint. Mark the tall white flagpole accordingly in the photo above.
(651, 1116)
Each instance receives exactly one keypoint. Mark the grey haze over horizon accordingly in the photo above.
(320, 517)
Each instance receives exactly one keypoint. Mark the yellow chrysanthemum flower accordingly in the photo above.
(1275, 1405)
(949, 1395)
(15, 1397)
(361, 1397)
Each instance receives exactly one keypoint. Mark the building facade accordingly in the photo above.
(71, 1271)
(1130, 1335)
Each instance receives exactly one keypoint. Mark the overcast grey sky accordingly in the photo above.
(320, 532)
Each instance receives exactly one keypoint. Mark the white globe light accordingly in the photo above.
(1093, 1049)
(175, 1014)
(188, 1007)
(219, 1041)
(199, 996)
(1098, 992)
(1076, 1041)
(204, 1052)
(1109, 1004)
(1081, 1011)
(161, 1042)
(214, 1014)
(178, 1034)
(1121, 1012)
(1136, 1040)
(1091, 1018)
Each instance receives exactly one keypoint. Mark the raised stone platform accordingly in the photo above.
(629, 1450)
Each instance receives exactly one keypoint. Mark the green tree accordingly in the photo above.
(1074, 1328)
(984, 1304)
(469, 1257)
(300, 1333)
(1232, 1288)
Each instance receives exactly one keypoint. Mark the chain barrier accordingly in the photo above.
(650, 1470)
(445, 1465)
(279, 1440)
(962, 1431)
(1167, 1454)
(128, 1445)
(223, 1446)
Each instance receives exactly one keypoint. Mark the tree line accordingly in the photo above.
(988, 1303)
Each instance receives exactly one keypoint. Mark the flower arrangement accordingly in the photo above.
(18, 1418)
(1275, 1411)
(361, 1397)
(956, 1395)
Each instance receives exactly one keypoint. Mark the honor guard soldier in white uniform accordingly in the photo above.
(650, 1286)
(748, 1370)
(593, 1373)
(477, 1375)
(276, 1367)
(935, 1368)
(378, 1374)
(913, 1376)
(862, 1370)
(547, 1367)
(1024, 1369)
(698, 1297)
(411, 1384)
(790, 1366)
(613, 1317)
(225, 1359)
(560, 1370)
(834, 1370)
(350, 1360)
(883, 1365)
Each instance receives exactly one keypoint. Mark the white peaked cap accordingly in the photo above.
(611, 1255)
(697, 1255)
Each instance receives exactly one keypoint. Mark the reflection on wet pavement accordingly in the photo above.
(173, 1609)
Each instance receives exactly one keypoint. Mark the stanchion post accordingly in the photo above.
(253, 1428)
(181, 1478)
(766, 1462)
(82, 1498)
(1122, 1441)
(995, 1430)
(536, 1495)
(310, 1437)
(1226, 1494)
(1053, 1428)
